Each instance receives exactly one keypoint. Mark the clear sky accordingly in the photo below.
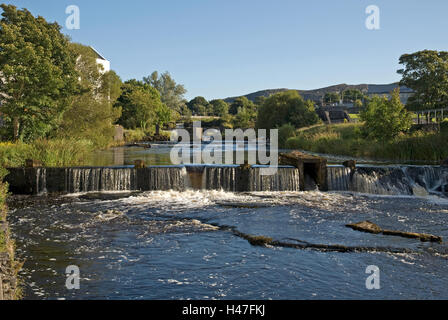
(222, 48)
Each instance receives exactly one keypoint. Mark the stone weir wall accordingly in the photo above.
(32, 181)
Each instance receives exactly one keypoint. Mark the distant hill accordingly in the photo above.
(318, 94)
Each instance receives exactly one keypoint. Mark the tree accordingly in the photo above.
(426, 72)
(91, 114)
(163, 116)
(286, 107)
(220, 107)
(245, 118)
(141, 105)
(171, 93)
(385, 119)
(242, 103)
(332, 97)
(285, 132)
(199, 106)
(351, 95)
(37, 73)
(259, 100)
(358, 103)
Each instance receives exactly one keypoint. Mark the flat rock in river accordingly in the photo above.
(367, 226)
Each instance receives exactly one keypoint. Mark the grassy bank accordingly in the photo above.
(140, 135)
(52, 153)
(348, 140)
(9, 266)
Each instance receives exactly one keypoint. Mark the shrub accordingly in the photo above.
(385, 119)
(285, 132)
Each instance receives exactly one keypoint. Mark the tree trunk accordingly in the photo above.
(16, 125)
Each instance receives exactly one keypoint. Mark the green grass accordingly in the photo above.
(136, 135)
(52, 153)
(348, 140)
(7, 245)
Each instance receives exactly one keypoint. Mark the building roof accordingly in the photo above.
(99, 55)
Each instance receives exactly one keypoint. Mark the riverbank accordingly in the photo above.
(347, 140)
(9, 266)
(51, 153)
(140, 135)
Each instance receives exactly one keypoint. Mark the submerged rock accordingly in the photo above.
(367, 226)
(109, 215)
(422, 236)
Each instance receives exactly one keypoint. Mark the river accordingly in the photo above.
(182, 244)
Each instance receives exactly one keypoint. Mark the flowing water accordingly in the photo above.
(174, 232)
(189, 242)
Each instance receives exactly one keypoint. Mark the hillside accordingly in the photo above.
(317, 94)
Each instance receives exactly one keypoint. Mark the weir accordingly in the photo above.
(32, 181)
(397, 180)
(390, 180)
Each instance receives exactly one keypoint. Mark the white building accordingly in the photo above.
(101, 60)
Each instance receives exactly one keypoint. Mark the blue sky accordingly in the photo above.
(222, 48)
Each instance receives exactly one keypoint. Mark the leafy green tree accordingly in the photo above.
(351, 95)
(286, 107)
(385, 119)
(332, 97)
(220, 107)
(163, 116)
(37, 73)
(110, 86)
(140, 104)
(199, 106)
(245, 118)
(358, 103)
(426, 72)
(91, 114)
(171, 93)
(285, 132)
(260, 100)
(242, 103)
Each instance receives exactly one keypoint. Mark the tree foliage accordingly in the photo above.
(141, 106)
(426, 72)
(171, 93)
(37, 73)
(242, 103)
(332, 97)
(199, 106)
(352, 95)
(386, 119)
(91, 114)
(220, 107)
(286, 108)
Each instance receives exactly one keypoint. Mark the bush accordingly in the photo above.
(286, 107)
(385, 119)
(285, 132)
(136, 135)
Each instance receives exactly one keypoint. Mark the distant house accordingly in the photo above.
(101, 60)
(386, 89)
